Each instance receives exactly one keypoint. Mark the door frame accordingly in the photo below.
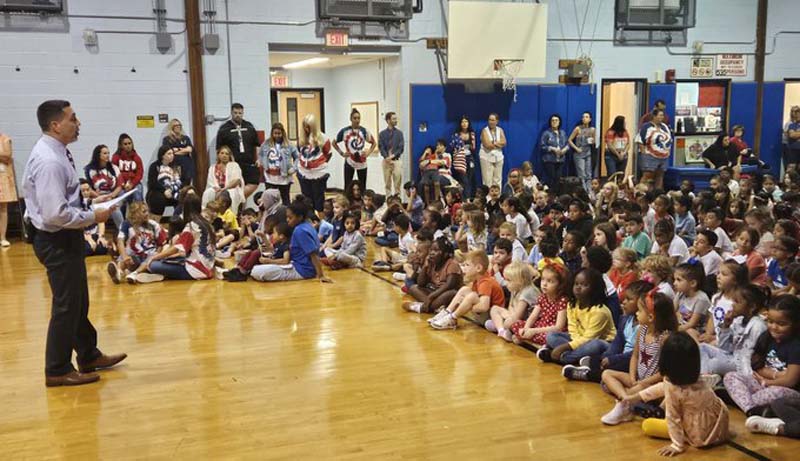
(273, 97)
(643, 97)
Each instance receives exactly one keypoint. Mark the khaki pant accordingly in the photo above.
(491, 172)
(393, 173)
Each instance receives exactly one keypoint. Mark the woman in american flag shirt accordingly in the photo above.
(314, 153)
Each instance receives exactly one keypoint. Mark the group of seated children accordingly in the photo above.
(674, 302)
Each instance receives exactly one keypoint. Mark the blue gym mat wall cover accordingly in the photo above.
(436, 110)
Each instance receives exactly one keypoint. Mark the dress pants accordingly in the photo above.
(62, 254)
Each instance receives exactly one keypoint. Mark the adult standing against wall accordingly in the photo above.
(655, 145)
(278, 158)
(792, 133)
(618, 146)
(553, 144)
(242, 139)
(462, 145)
(648, 117)
(52, 196)
(314, 151)
(182, 148)
(391, 145)
(6, 165)
(354, 138)
(582, 141)
(493, 140)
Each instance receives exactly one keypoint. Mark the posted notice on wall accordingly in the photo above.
(702, 68)
(731, 65)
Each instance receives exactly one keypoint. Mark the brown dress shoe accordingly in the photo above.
(73, 378)
(102, 362)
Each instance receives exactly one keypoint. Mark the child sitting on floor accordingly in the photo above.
(478, 296)
(618, 355)
(691, 303)
(436, 281)
(657, 321)
(694, 415)
(775, 361)
(657, 269)
(524, 295)
(472, 235)
(589, 323)
(738, 333)
(508, 231)
(275, 251)
(393, 260)
(352, 250)
(138, 239)
(550, 312)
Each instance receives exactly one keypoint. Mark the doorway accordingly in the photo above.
(624, 97)
(290, 105)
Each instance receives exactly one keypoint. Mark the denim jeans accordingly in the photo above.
(614, 165)
(170, 271)
(590, 348)
(583, 169)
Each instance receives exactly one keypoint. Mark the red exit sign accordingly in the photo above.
(337, 38)
(279, 81)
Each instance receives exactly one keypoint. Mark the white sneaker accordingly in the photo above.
(489, 325)
(763, 425)
(442, 312)
(621, 413)
(413, 307)
(146, 277)
(505, 334)
(219, 273)
(447, 322)
(585, 361)
(131, 278)
(5, 243)
(399, 276)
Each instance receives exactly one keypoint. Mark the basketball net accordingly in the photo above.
(508, 70)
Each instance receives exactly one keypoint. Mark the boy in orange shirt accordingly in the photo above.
(480, 293)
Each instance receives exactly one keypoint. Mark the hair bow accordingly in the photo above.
(649, 301)
(693, 261)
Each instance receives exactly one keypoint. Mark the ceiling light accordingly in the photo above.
(305, 62)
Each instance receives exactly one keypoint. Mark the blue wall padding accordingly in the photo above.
(772, 125)
(743, 109)
(440, 108)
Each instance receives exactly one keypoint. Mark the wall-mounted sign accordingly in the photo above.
(145, 121)
(163, 118)
(279, 81)
(337, 38)
(731, 65)
(702, 68)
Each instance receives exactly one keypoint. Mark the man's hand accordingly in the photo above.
(103, 214)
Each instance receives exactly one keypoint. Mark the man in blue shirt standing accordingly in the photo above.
(391, 145)
(53, 201)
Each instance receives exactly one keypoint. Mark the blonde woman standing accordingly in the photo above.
(182, 149)
(493, 140)
(314, 153)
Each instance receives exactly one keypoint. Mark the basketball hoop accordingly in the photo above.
(508, 70)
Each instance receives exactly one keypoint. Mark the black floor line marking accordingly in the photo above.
(732, 444)
(747, 451)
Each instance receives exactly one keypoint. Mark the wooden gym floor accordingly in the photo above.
(296, 370)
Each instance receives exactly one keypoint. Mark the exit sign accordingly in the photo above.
(279, 81)
(337, 38)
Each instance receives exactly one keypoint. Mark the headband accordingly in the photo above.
(556, 266)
